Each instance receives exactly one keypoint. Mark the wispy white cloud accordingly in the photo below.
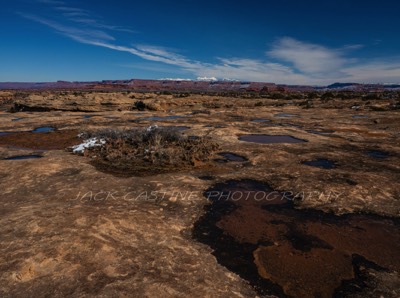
(256, 71)
(51, 2)
(159, 51)
(169, 59)
(81, 16)
(375, 71)
(307, 58)
(73, 16)
(353, 47)
(77, 34)
(69, 9)
(288, 61)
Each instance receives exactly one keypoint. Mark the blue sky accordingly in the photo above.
(286, 41)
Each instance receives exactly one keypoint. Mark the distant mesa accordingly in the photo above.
(363, 87)
(201, 84)
(341, 85)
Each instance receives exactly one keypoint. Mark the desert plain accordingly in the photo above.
(312, 211)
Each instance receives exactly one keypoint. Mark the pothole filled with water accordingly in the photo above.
(43, 129)
(359, 116)
(378, 154)
(258, 233)
(215, 126)
(22, 157)
(159, 118)
(193, 138)
(228, 156)
(270, 139)
(321, 163)
(179, 128)
(260, 120)
(206, 178)
(291, 125)
(320, 132)
(285, 115)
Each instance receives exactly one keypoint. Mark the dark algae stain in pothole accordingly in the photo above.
(57, 140)
(235, 255)
(258, 233)
(270, 139)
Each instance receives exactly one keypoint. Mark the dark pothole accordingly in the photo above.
(270, 139)
(321, 163)
(378, 154)
(285, 115)
(159, 118)
(260, 120)
(228, 156)
(43, 129)
(22, 157)
(320, 132)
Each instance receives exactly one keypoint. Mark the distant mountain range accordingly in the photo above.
(192, 86)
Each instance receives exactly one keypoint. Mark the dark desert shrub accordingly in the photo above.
(140, 105)
(148, 150)
(149, 106)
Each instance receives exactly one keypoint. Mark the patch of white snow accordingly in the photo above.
(92, 142)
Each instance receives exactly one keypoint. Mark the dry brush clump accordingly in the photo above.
(140, 105)
(148, 150)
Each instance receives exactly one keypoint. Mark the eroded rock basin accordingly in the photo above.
(259, 234)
